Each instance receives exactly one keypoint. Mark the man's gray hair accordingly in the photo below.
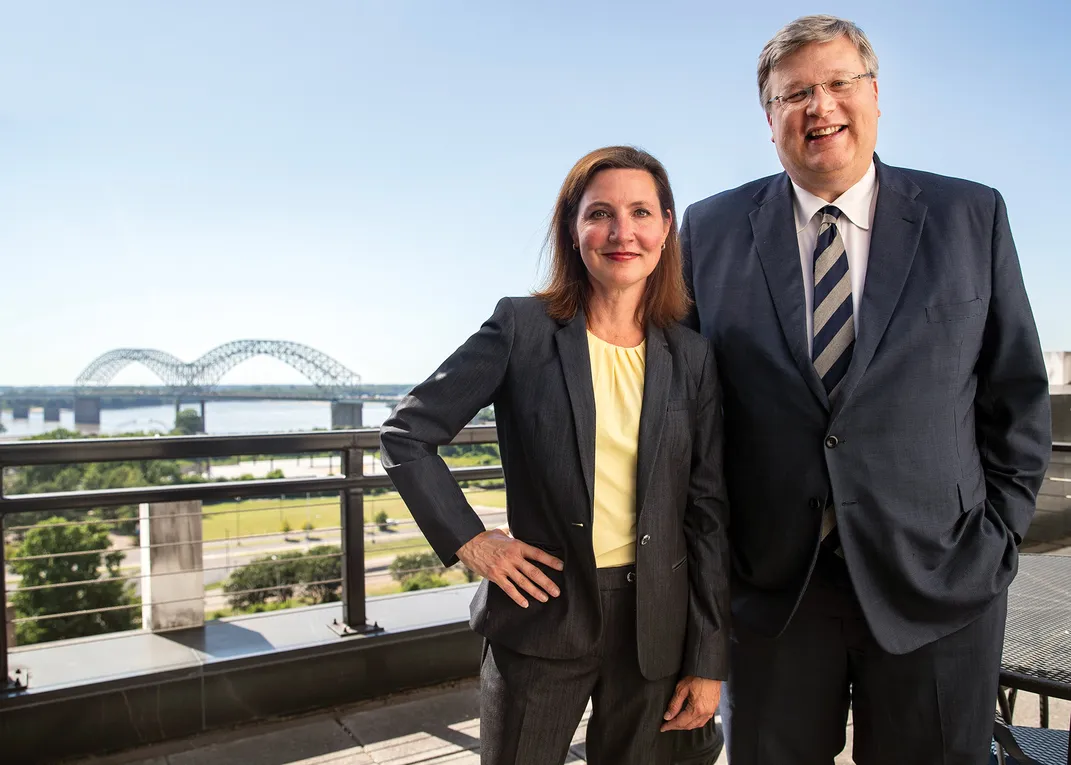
(803, 31)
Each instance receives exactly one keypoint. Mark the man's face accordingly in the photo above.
(825, 143)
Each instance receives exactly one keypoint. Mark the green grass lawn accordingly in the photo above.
(452, 576)
(383, 546)
(267, 516)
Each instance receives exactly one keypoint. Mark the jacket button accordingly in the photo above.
(631, 577)
(815, 503)
(831, 442)
(645, 539)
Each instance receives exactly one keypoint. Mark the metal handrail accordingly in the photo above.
(350, 485)
(65, 452)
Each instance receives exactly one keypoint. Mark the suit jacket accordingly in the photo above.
(536, 371)
(934, 449)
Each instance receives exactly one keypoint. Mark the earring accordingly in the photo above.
(575, 246)
(663, 245)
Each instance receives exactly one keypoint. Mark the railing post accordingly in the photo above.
(5, 679)
(8, 682)
(354, 619)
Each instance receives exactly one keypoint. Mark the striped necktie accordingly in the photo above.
(834, 327)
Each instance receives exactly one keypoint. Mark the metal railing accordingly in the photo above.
(350, 487)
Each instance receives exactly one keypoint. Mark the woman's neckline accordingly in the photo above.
(615, 345)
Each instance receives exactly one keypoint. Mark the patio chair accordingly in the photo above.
(1021, 745)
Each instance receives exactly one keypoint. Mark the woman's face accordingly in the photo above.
(620, 230)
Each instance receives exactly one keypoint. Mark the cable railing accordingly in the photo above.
(326, 528)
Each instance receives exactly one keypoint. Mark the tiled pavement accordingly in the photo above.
(432, 727)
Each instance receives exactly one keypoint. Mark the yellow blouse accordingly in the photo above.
(617, 376)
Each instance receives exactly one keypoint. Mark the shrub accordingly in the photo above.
(408, 565)
(423, 581)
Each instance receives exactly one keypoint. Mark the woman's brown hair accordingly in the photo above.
(665, 297)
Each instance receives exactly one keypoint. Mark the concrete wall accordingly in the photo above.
(173, 558)
(346, 414)
(87, 411)
(1058, 365)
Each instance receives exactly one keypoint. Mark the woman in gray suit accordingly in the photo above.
(612, 582)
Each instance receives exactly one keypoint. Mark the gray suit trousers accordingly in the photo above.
(530, 707)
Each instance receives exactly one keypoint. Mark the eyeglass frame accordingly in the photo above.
(810, 90)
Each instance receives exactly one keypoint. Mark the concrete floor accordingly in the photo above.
(430, 727)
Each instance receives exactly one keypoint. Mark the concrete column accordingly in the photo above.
(1058, 365)
(204, 422)
(346, 414)
(20, 411)
(87, 410)
(172, 563)
(52, 411)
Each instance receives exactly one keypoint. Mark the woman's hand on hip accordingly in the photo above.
(507, 562)
(693, 704)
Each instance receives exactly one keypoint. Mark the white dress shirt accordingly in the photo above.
(857, 205)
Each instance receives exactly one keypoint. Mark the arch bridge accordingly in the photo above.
(197, 379)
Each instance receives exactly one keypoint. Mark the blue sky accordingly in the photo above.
(370, 177)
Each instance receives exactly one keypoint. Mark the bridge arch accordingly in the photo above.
(170, 369)
(206, 372)
(319, 368)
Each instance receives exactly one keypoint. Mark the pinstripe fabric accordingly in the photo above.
(834, 327)
(536, 371)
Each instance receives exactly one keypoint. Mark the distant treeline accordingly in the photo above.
(63, 394)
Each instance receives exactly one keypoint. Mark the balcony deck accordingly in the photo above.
(282, 687)
(429, 727)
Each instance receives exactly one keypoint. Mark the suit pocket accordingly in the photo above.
(680, 563)
(972, 491)
(555, 550)
(954, 311)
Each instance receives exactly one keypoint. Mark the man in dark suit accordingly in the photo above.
(887, 426)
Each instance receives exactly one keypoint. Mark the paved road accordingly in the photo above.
(221, 557)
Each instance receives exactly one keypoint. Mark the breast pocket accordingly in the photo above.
(937, 314)
(678, 429)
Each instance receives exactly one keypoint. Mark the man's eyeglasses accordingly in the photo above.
(840, 88)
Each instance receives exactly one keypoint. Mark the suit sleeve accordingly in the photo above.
(431, 415)
(1012, 410)
(706, 529)
(691, 320)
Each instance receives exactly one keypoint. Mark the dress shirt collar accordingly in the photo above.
(856, 202)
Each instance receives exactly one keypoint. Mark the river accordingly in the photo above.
(221, 417)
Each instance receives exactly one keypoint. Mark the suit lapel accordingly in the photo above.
(572, 340)
(658, 368)
(773, 226)
(895, 234)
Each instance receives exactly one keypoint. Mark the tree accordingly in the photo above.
(270, 577)
(85, 588)
(277, 578)
(322, 569)
(112, 475)
(408, 565)
(188, 423)
(382, 520)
